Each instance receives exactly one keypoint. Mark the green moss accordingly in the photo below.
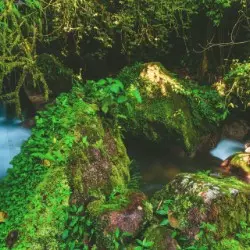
(162, 237)
(231, 244)
(171, 107)
(58, 77)
(199, 198)
(45, 224)
(70, 151)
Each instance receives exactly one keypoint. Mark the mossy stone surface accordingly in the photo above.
(162, 238)
(166, 110)
(199, 198)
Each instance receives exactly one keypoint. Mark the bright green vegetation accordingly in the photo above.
(90, 32)
(179, 106)
(163, 70)
(77, 144)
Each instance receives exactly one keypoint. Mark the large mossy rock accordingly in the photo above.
(171, 107)
(199, 198)
(102, 166)
(71, 156)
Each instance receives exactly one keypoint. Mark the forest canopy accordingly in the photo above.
(201, 37)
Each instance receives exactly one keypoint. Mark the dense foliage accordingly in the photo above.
(74, 169)
(93, 31)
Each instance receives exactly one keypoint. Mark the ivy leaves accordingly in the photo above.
(112, 96)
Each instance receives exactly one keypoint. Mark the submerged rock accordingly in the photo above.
(199, 199)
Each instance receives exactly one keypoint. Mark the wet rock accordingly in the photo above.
(236, 130)
(29, 123)
(131, 219)
(199, 198)
(207, 142)
(162, 238)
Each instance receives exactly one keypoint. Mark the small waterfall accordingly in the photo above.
(227, 147)
(12, 135)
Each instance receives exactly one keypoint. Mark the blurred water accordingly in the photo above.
(12, 135)
(226, 148)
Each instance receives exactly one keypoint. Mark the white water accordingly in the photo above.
(12, 135)
(226, 148)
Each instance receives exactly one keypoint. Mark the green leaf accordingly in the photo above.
(65, 234)
(75, 229)
(88, 222)
(85, 141)
(105, 108)
(164, 222)
(138, 248)
(74, 221)
(122, 99)
(116, 87)
(80, 209)
(137, 95)
(140, 242)
(162, 212)
(117, 233)
(148, 243)
(101, 82)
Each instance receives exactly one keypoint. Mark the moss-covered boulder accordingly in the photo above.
(171, 107)
(199, 199)
(100, 167)
(71, 156)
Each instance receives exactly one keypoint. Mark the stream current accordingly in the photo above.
(12, 135)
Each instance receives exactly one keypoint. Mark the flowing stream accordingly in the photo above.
(12, 135)
(160, 163)
(227, 147)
